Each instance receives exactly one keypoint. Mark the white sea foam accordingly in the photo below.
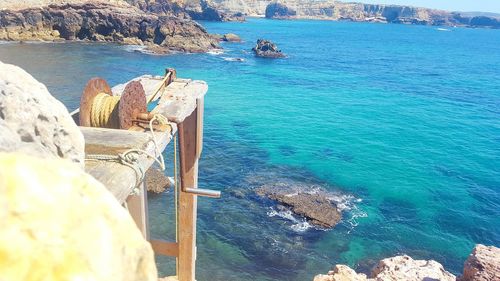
(233, 59)
(215, 52)
(298, 225)
(135, 48)
(442, 29)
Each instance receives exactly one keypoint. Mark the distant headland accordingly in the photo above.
(166, 26)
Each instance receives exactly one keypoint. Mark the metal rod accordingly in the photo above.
(203, 192)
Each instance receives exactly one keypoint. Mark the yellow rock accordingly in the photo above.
(58, 223)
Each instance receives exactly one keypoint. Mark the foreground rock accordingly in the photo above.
(105, 22)
(58, 223)
(32, 121)
(393, 269)
(483, 264)
(267, 49)
(316, 208)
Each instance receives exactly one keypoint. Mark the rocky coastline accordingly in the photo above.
(483, 264)
(357, 12)
(106, 22)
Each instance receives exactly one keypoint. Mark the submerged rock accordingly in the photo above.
(105, 22)
(157, 181)
(32, 121)
(392, 269)
(267, 49)
(59, 223)
(482, 264)
(315, 207)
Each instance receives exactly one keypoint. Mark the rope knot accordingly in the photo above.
(130, 157)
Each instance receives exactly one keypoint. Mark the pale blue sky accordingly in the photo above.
(451, 5)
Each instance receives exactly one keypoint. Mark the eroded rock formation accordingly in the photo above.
(32, 121)
(267, 49)
(392, 269)
(483, 264)
(104, 22)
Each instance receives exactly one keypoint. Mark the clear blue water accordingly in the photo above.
(400, 122)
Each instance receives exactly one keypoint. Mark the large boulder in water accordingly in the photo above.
(315, 207)
(32, 121)
(267, 49)
(483, 264)
(59, 223)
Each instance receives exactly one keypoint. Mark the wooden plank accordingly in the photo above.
(187, 202)
(165, 248)
(137, 205)
(118, 178)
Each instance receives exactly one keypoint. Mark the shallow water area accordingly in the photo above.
(400, 124)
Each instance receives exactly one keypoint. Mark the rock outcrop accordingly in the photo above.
(315, 207)
(231, 37)
(483, 264)
(267, 49)
(104, 22)
(392, 269)
(279, 11)
(58, 223)
(34, 122)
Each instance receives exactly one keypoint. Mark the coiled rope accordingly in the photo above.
(104, 111)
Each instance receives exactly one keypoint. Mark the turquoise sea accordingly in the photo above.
(401, 124)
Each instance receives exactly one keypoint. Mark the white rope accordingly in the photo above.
(130, 157)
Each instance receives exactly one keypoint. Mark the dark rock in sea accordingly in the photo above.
(267, 49)
(315, 207)
(105, 22)
(231, 37)
(279, 11)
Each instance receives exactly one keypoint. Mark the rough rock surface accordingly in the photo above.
(267, 49)
(34, 122)
(105, 22)
(156, 180)
(316, 208)
(392, 269)
(483, 264)
(277, 11)
(231, 37)
(58, 223)
(406, 268)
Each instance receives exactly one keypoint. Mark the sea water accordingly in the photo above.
(400, 124)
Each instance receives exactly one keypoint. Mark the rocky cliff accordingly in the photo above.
(336, 10)
(105, 22)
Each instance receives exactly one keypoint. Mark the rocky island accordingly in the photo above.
(267, 49)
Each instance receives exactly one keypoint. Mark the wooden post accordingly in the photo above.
(189, 143)
(137, 205)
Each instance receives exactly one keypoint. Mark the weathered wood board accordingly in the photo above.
(118, 178)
